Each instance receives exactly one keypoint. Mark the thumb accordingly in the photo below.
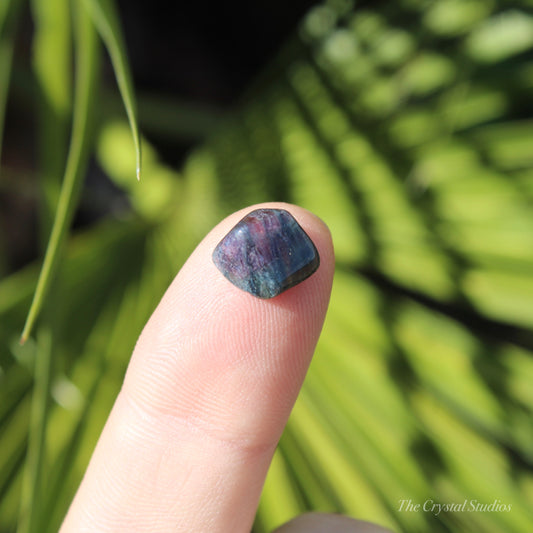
(330, 523)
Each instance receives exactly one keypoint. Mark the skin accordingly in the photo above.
(208, 391)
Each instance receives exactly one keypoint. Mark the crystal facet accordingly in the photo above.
(266, 253)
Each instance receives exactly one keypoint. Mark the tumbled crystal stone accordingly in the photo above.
(266, 253)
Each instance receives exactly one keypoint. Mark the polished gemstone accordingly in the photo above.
(266, 253)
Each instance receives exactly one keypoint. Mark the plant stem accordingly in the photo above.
(32, 475)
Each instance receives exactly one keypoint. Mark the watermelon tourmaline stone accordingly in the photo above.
(266, 253)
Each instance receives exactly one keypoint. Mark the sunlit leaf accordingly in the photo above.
(86, 77)
(104, 15)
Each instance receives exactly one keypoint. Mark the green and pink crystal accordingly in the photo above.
(266, 253)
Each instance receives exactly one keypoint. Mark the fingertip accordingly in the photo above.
(230, 351)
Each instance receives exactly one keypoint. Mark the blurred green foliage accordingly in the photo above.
(408, 127)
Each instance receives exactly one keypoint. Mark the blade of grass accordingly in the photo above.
(15, 385)
(8, 475)
(106, 20)
(30, 501)
(9, 11)
(85, 89)
(52, 68)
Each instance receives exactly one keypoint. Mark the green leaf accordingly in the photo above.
(106, 20)
(86, 77)
(33, 469)
(9, 11)
(52, 68)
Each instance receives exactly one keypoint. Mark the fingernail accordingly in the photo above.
(266, 253)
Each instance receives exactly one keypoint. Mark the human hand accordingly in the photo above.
(208, 391)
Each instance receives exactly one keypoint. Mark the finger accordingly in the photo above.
(332, 523)
(208, 391)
